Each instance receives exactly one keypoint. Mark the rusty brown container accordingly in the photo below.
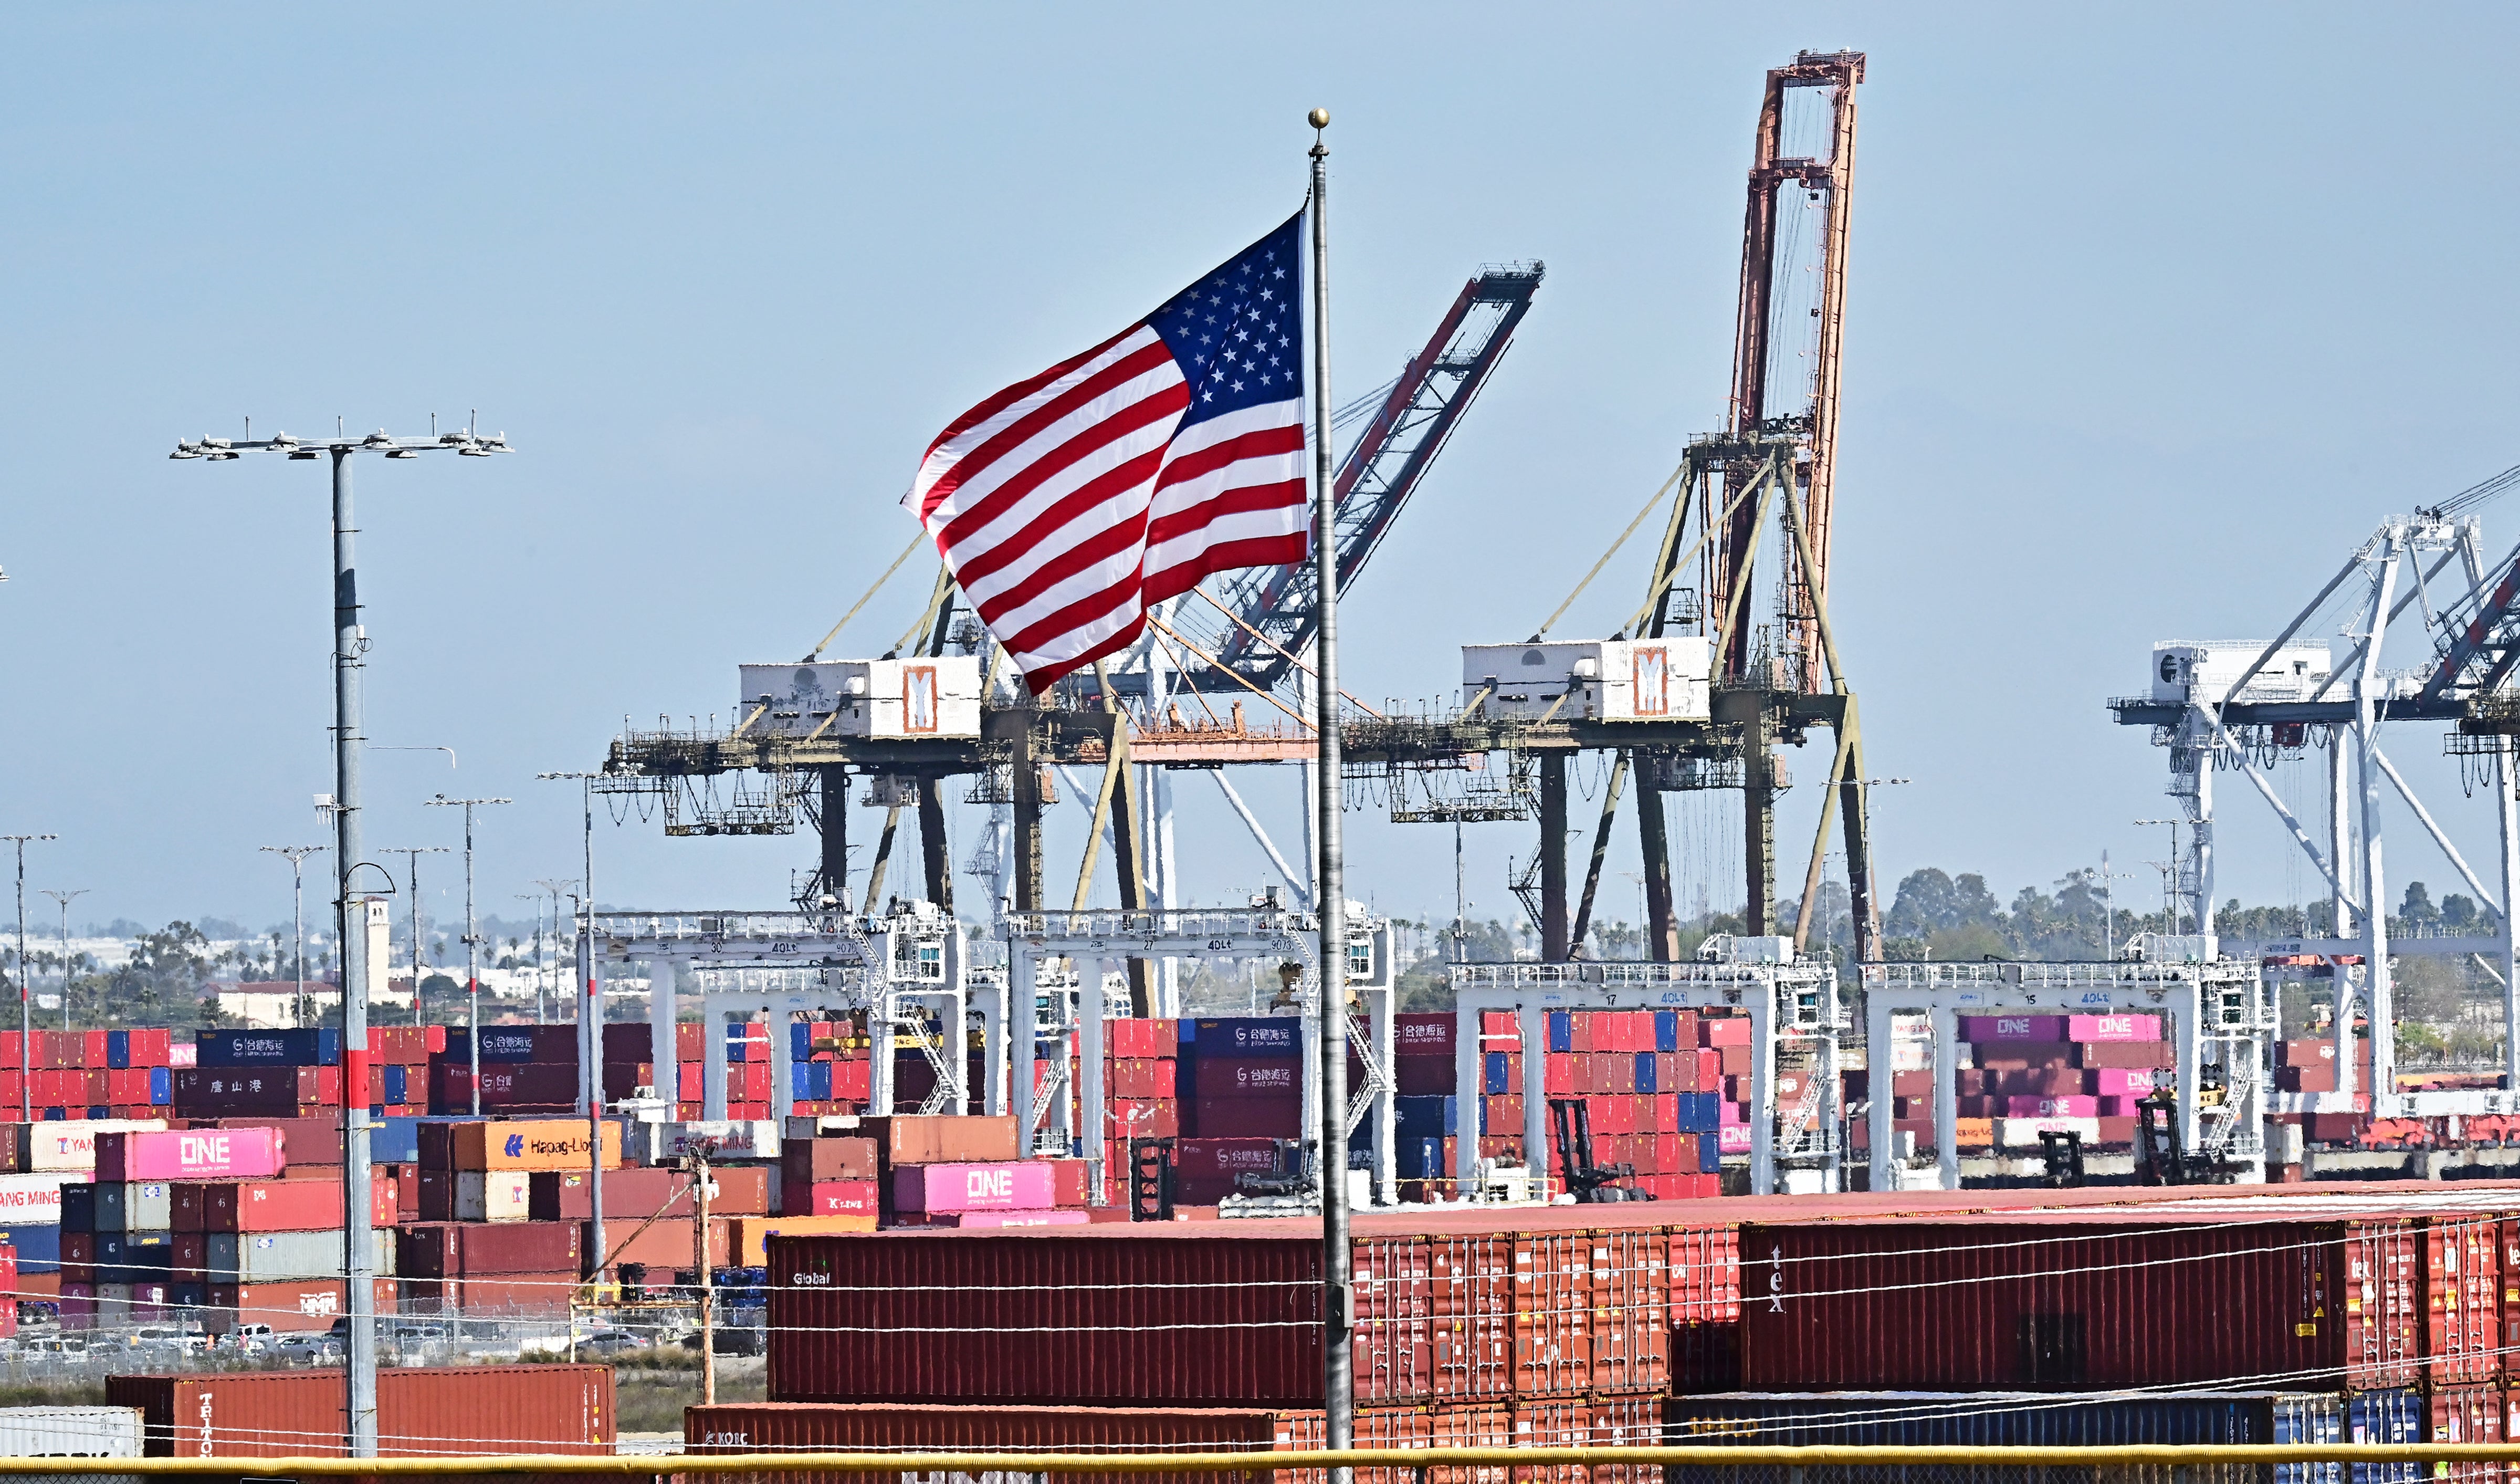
(510, 1295)
(793, 1427)
(912, 1139)
(1206, 1314)
(443, 1410)
(2062, 1300)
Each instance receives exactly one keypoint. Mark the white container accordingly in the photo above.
(33, 1200)
(71, 1432)
(493, 1195)
(918, 697)
(281, 1257)
(148, 1205)
(1589, 680)
(2023, 1133)
(722, 1139)
(2203, 670)
(71, 1144)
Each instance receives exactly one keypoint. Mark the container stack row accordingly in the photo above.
(88, 1074)
(942, 1171)
(213, 1221)
(2130, 1316)
(2021, 1075)
(297, 1074)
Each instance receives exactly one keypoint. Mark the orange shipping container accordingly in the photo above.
(531, 1144)
(753, 1232)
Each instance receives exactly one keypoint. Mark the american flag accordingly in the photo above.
(1072, 502)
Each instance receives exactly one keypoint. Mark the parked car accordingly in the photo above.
(307, 1345)
(609, 1342)
(249, 1340)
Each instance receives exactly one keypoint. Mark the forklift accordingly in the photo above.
(1590, 1182)
(2160, 1159)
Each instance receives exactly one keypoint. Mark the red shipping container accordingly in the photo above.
(2466, 1415)
(2082, 1299)
(1723, 1030)
(280, 1205)
(297, 1414)
(2462, 1309)
(91, 1049)
(843, 1198)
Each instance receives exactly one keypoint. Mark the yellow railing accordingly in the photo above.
(651, 1465)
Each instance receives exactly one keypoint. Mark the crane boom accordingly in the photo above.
(1381, 472)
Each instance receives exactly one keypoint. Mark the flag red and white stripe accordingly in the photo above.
(1072, 502)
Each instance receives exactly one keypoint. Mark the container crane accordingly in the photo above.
(1381, 472)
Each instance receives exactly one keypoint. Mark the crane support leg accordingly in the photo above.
(834, 868)
(931, 845)
(1853, 808)
(882, 856)
(1027, 792)
(1749, 709)
(1662, 934)
(1553, 943)
(1600, 850)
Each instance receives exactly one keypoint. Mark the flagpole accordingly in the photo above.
(1339, 1297)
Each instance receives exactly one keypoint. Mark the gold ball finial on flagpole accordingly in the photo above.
(1319, 119)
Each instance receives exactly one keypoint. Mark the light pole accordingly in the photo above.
(418, 969)
(2169, 880)
(297, 857)
(63, 900)
(349, 649)
(536, 898)
(590, 1038)
(26, 1005)
(472, 944)
(555, 889)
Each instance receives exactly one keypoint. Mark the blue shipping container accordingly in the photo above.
(1561, 1031)
(1710, 1154)
(78, 1207)
(1666, 1030)
(1999, 1419)
(1497, 1081)
(819, 1083)
(1424, 1118)
(1251, 1036)
(1420, 1159)
(117, 1050)
(2385, 1416)
(1646, 1072)
(394, 1141)
(161, 1085)
(397, 1081)
(800, 1041)
(267, 1047)
(39, 1247)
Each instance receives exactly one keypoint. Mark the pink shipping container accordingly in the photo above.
(2113, 1028)
(2123, 1081)
(2012, 1027)
(2080, 1299)
(191, 1155)
(974, 1220)
(1022, 1185)
(2069, 1106)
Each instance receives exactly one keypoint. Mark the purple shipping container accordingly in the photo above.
(1023, 1186)
(1247, 1118)
(2079, 1301)
(2012, 1028)
(1250, 1077)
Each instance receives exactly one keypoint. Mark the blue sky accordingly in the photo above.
(2153, 313)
